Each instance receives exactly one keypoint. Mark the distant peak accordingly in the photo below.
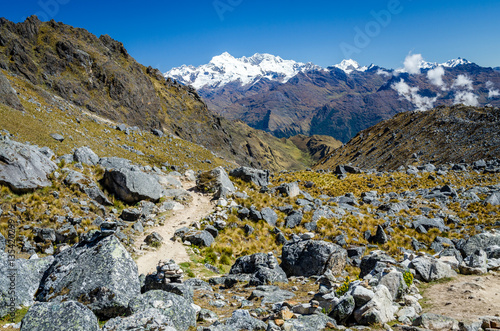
(455, 63)
(224, 69)
(350, 65)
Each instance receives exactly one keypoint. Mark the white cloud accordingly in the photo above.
(383, 73)
(463, 81)
(466, 98)
(492, 92)
(436, 77)
(411, 94)
(412, 63)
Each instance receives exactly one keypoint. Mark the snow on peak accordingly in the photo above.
(455, 63)
(224, 69)
(349, 66)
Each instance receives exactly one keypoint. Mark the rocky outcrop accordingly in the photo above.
(86, 156)
(23, 167)
(59, 316)
(215, 181)
(312, 257)
(258, 177)
(8, 96)
(98, 272)
(132, 185)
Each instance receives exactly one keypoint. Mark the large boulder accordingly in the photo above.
(375, 260)
(172, 306)
(86, 156)
(312, 257)
(264, 268)
(258, 177)
(289, 189)
(150, 319)
(132, 186)
(23, 167)
(312, 322)
(98, 272)
(215, 181)
(87, 186)
(27, 279)
(378, 310)
(430, 269)
(59, 316)
(269, 215)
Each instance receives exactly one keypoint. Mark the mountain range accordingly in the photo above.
(287, 98)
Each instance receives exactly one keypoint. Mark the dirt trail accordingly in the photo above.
(200, 207)
(465, 298)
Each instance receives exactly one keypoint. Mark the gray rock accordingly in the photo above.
(23, 167)
(378, 310)
(199, 238)
(436, 322)
(87, 186)
(59, 316)
(269, 216)
(208, 316)
(172, 306)
(28, 277)
(215, 181)
(480, 241)
(132, 186)
(289, 189)
(395, 283)
(370, 262)
(153, 239)
(493, 199)
(131, 214)
(57, 136)
(109, 163)
(428, 223)
(98, 272)
(271, 294)
(263, 267)
(258, 177)
(380, 236)
(293, 219)
(212, 230)
(66, 234)
(150, 319)
(44, 234)
(343, 309)
(86, 156)
(8, 96)
(361, 295)
(179, 195)
(241, 320)
(310, 323)
(312, 257)
(430, 269)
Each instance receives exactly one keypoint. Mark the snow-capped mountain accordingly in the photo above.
(224, 69)
(348, 66)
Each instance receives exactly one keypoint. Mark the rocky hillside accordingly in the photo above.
(442, 135)
(358, 250)
(57, 66)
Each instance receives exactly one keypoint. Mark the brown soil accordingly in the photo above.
(465, 298)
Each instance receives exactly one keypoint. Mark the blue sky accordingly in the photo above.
(166, 34)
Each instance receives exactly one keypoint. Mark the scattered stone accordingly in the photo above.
(86, 156)
(258, 177)
(215, 181)
(132, 186)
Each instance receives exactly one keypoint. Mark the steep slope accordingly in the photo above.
(98, 76)
(442, 135)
